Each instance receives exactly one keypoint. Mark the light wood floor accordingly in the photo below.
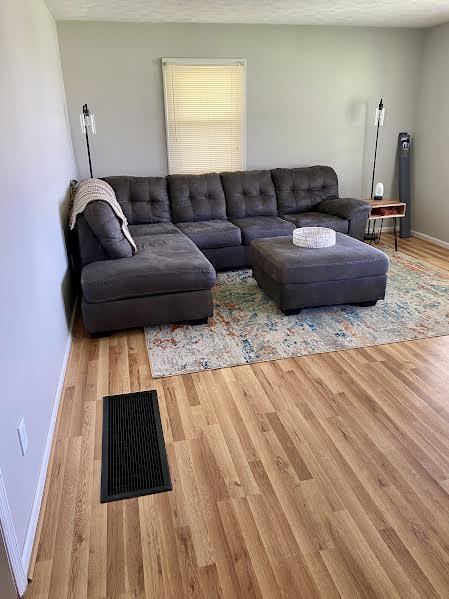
(322, 476)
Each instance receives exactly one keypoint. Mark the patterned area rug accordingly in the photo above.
(248, 327)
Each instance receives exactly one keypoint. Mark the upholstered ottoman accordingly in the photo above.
(350, 272)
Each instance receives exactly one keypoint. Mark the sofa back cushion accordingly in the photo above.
(144, 200)
(303, 189)
(196, 198)
(249, 193)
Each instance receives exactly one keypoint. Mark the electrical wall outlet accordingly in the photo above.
(23, 436)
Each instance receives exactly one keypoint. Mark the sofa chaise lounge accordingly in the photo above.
(188, 226)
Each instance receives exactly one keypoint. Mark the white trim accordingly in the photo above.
(8, 532)
(204, 61)
(167, 141)
(243, 62)
(35, 511)
(434, 240)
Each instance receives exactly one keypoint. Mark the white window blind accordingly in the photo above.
(205, 115)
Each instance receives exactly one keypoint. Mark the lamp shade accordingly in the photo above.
(87, 120)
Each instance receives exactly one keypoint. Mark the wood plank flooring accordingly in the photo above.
(323, 476)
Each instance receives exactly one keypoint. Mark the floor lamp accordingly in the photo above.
(371, 234)
(87, 121)
(379, 122)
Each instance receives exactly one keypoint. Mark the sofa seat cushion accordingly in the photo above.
(349, 258)
(257, 227)
(163, 264)
(212, 233)
(318, 219)
(152, 229)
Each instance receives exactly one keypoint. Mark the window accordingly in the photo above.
(205, 115)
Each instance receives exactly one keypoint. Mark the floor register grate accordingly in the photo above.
(134, 459)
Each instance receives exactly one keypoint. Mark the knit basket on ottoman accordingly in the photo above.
(349, 272)
(314, 237)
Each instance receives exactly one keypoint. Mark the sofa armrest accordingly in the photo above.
(344, 207)
(355, 211)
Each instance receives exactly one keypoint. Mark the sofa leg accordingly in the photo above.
(200, 321)
(100, 334)
(292, 311)
(366, 304)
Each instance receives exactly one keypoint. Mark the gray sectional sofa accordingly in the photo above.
(188, 226)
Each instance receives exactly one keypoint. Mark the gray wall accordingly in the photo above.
(431, 197)
(311, 93)
(36, 165)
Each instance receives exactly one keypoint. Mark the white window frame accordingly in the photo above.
(203, 61)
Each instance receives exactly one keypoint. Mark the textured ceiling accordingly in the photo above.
(384, 13)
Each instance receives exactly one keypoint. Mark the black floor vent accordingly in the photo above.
(134, 460)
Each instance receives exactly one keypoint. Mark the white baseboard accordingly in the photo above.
(34, 517)
(8, 532)
(434, 240)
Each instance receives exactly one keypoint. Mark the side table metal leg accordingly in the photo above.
(377, 239)
(372, 232)
(395, 235)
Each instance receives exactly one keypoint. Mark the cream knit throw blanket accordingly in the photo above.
(90, 190)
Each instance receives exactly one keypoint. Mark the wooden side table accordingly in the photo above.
(383, 210)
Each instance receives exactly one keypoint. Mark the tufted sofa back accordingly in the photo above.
(249, 193)
(196, 197)
(303, 189)
(240, 194)
(144, 200)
